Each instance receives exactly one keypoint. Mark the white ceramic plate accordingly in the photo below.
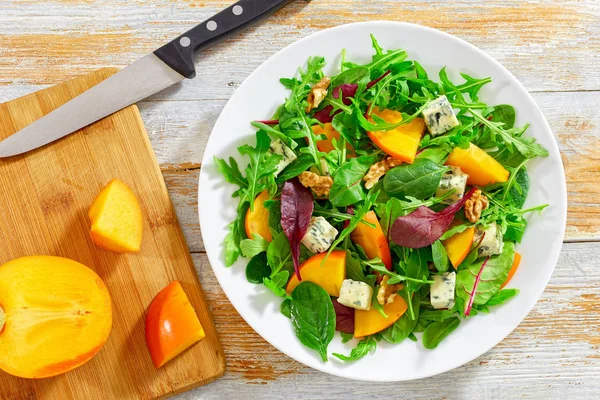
(258, 97)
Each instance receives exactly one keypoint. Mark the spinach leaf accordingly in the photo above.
(404, 326)
(347, 126)
(313, 317)
(440, 257)
(505, 114)
(455, 230)
(436, 315)
(352, 75)
(298, 166)
(279, 254)
(388, 214)
(257, 269)
(276, 283)
(252, 247)
(416, 268)
(519, 190)
(347, 188)
(420, 179)
(434, 154)
(364, 347)
(286, 308)
(478, 283)
(502, 297)
(354, 269)
(437, 331)
(234, 237)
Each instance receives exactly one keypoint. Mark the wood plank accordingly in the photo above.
(48, 192)
(179, 132)
(549, 45)
(552, 354)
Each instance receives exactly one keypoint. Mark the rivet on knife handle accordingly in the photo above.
(179, 54)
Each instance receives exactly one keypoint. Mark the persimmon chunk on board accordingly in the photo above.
(482, 168)
(116, 219)
(57, 316)
(172, 325)
(329, 275)
(370, 322)
(257, 219)
(402, 142)
(373, 240)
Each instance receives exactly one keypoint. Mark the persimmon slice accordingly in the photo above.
(57, 315)
(172, 325)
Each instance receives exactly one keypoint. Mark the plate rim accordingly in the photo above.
(553, 257)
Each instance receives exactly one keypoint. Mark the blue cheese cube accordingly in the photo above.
(439, 116)
(442, 290)
(455, 180)
(287, 154)
(356, 294)
(492, 242)
(319, 236)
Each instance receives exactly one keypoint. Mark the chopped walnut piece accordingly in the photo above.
(475, 205)
(317, 94)
(386, 293)
(320, 185)
(378, 170)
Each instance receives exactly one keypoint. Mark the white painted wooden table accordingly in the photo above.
(552, 46)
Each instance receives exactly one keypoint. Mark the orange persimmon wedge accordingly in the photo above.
(373, 240)
(172, 325)
(257, 220)
(458, 246)
(482, 169)
(402, 142)
(513, 269)
(116, 219)
(370, 322)
(329, 275)
(56, 315)
(330, 133)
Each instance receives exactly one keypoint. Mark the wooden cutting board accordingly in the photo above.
(44, 197)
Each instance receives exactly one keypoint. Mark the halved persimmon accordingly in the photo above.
(373, 240)
(370, 322)
(402, 142)
(55, 315)
(329, 275)
(257, 220)
(172, 325)
(482, 168)
(458, 246)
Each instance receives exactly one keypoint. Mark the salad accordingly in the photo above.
(382, 203)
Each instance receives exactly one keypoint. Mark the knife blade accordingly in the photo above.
(170, 64)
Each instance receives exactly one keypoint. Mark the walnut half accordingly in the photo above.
(378, 170)
(475, 205)
(320, 185)
(317, 94)
(387, 293)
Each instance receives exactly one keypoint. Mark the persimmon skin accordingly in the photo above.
(116, 219)
(482, 169)
(373, 240)
(370, 322)
(402, 142)
(51, 332)
(257, 220)
(458, 246)
(329, 276)
(172, 325)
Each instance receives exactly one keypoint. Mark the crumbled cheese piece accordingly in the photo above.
(439, 116)
(279, 148)
(320, 235)
(442, 290)
(492, 242)
(356, 294)
(453, 179)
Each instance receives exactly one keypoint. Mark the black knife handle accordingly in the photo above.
(179, 54)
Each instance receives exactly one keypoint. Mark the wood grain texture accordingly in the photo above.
(48, 192)
(552, 46)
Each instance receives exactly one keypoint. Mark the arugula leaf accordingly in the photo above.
(298, 166)
(502, 297)
(433, 153)
(231, 172)
(354, 269)
(416, 269)
(440, 257)
(456, 229)
(364, 347)
(395, 278)
(276, 133)
(346, 337)
(420, 179)
(437, 331)
(257, 269)
(478, 283)
(252, 247)
(347, 188)
(234, 237)
(402, 328)
(313, 317)
(276, 282)
(504, 114)
(261, 165)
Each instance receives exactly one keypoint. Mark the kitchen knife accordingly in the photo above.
(157, 71)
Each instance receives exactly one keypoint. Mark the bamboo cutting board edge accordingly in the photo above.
(49, 216)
